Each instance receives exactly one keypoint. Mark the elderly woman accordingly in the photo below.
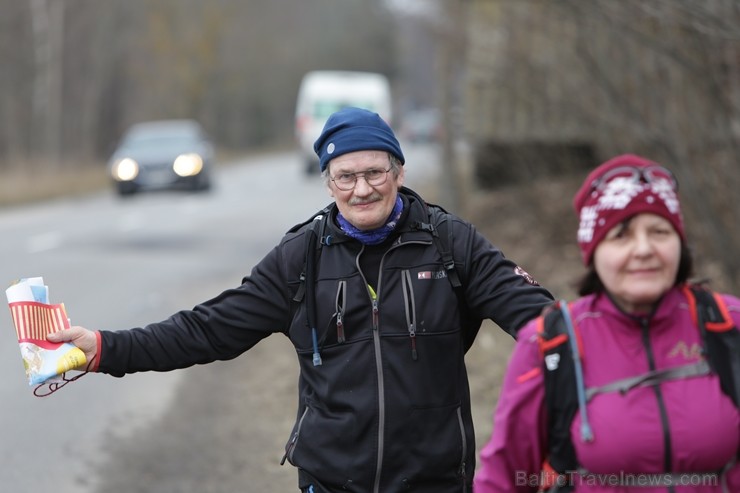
(653, 415)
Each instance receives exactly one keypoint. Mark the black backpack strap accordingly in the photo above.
(561, 392)
(442, 236)
(444, 247)
(314, 238)
(440, 228)
(721, 338)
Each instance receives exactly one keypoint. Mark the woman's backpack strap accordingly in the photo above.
(561, 393)
(720, 336)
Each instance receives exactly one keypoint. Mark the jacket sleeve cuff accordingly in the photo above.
(96, 360)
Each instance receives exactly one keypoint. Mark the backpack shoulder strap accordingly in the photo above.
(314, 240)
(442, 236)
(561, 392)
(720, 336)
(708, 309)
(440, 228)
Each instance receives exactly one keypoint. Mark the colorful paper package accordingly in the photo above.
(34, 317)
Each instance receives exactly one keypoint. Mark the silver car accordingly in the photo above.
(162, 155)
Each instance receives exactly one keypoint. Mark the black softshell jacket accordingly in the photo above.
(388, 408)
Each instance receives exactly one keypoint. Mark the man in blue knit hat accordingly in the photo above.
(381, 295)
(363, 151)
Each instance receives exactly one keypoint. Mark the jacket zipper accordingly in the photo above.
(410, 305)
(463, 464)
(378, 368)
(381, 396)
(667, 460)
(290, 447)
(341, 302)
(378, 359)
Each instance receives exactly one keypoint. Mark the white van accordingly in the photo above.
(322, 92)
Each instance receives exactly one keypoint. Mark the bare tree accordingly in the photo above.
(14, 94)
(77, 72)
(47, 21)
(658, 78)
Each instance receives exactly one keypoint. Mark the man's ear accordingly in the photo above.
(328, 182)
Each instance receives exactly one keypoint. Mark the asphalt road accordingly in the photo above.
(123, 263)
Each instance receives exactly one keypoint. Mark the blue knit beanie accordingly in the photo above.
(355, 129)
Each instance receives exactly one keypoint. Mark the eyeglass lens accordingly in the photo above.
(348, 181)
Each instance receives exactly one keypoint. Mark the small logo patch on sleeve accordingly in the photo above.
(531, 280)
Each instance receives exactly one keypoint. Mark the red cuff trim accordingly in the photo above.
(96, 362)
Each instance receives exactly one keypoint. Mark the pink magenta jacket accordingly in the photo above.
(631, 431)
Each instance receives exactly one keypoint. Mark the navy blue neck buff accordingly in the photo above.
(373, 236)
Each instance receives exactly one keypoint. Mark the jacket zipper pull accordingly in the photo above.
(289, 448)
(340, 328)
(374, 298)
(412, 335)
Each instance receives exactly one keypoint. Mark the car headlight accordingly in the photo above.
(188, 164)
(125, 169)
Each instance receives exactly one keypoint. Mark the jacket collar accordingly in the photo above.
(410, 228)
(664, 309)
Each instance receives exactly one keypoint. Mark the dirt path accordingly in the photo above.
(224, 433)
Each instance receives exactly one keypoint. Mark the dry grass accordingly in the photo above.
(23, 182)
(32, 182)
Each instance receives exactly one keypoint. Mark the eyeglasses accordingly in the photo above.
(633, 174)
(374, 177)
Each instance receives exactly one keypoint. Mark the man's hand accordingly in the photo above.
(81, 337)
